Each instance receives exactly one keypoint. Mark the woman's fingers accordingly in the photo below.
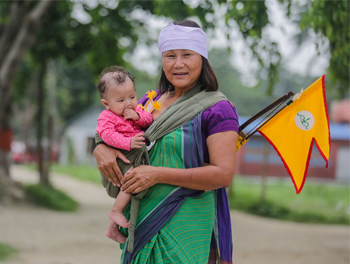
(109, 173)
(134, 186)
(130, 185)
(139, 179)
(113, 171)
(122, 157)
(137, 190)
(116, 169)
(128, 176)
(116, 175)
(105, 173)
(106, 158)
(130, 169)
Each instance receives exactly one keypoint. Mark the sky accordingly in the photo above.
(302, 60)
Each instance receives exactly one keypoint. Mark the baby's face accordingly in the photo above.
(121, 97)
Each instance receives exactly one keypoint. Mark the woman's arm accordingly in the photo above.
(106, 158)
(218, 174)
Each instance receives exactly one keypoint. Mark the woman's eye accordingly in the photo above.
(187, 54)
(170, 56)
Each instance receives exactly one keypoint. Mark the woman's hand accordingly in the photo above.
(217, 174)
(106, 158)
(139, 179)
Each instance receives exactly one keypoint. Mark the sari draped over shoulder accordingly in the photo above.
(175, 224)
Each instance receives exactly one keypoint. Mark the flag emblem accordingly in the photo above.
(293, 141)
(304, 120)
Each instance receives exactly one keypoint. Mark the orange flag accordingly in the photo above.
(293, 131)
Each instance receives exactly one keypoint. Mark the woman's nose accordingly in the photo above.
(179, 62)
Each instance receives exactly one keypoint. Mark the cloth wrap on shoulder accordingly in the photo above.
(176, 115)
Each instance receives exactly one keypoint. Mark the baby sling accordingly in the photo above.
(176, 115)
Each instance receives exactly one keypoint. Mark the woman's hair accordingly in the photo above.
(114, 73)
(207, 77)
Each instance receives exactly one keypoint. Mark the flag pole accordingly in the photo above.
(272, 106)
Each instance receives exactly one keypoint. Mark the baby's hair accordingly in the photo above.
(114, 73)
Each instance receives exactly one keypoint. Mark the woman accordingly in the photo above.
(198, 155)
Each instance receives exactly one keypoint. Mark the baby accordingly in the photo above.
(120, 126)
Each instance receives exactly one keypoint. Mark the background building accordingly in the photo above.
(78, 138)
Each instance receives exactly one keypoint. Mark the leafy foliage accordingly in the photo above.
(251, 18)
(250, 100)
(330, 21)
(87, 48)
(98, 43)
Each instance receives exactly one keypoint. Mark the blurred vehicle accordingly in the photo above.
(18, 152)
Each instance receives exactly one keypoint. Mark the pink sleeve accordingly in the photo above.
(146, 118)
(106, 128)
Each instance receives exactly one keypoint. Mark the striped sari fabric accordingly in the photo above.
(179, 225)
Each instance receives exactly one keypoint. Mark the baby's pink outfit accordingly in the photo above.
(117, 132)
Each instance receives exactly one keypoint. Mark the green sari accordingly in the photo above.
(186, 237)
(175, 224)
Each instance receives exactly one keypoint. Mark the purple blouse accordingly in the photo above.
(221, 117)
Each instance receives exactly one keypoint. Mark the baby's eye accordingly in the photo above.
(120, 100)
(132, 97)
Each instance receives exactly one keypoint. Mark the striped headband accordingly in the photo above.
(182, 37)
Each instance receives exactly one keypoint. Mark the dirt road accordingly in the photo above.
(48, 237)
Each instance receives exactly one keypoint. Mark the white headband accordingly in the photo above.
(182, 37)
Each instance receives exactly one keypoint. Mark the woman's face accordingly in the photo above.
(182, 68)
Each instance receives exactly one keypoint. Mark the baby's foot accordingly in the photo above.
(119, 218)
(114, 233)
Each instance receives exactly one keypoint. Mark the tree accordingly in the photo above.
(330, 21)
(99, 42)
(64, 37)
(16, 36)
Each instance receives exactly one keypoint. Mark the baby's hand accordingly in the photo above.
(137, 141)
(131, 114)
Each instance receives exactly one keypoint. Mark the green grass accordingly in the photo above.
(6, 251)
(50, 198)
(317, 203)
(81, 172)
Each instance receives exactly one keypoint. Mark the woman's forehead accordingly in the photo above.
(180, 50)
